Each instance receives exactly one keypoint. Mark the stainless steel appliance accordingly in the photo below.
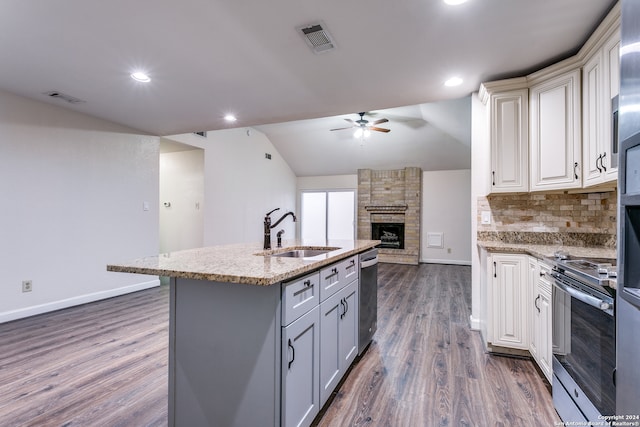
(368, 322)
(628, 302)
(583, 339)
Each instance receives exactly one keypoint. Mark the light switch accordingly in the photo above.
(145, 206)
(485, 218)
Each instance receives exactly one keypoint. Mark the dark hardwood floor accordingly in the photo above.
(105, 363)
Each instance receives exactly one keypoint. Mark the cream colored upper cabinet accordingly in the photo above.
(601, 83)
(508, 133)
(555, 144)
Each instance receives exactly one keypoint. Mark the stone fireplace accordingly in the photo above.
(389, 204)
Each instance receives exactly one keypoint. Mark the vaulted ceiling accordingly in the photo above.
(207, 58)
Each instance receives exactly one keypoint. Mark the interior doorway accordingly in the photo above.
(181, 196)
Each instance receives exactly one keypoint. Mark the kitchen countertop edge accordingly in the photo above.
(212, 263)
(547, 251)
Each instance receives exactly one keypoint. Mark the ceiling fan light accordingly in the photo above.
(366, 133)
(358, 133)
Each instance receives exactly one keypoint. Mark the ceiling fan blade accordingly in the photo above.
(350, 121)
(379, 121)
(380, 129)
(348, 127)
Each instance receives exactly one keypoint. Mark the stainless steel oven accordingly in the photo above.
(584, 350)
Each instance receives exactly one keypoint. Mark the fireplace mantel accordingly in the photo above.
(386, 208)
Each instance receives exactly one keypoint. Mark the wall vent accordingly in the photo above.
(201, 133)
(63, 96)
(317, 37)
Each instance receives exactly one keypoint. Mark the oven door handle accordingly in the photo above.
(585, 298)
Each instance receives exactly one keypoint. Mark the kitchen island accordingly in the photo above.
(245, 340)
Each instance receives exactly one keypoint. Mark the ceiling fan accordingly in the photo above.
(363, 127)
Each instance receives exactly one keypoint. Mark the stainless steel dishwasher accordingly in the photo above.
(368, 322)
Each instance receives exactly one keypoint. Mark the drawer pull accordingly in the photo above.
(307, 283)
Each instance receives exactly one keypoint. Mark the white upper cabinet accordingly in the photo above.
(601, 82)
(552, 130)
(508, 133)
(555, 145)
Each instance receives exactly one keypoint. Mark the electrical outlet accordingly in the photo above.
(27, 286)
(448, 250)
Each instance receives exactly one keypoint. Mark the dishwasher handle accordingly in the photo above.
(368, 262)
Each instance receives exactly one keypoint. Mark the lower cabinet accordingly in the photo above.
(301, 370)
(541, 316)
(338, 337)
(508, 299)
(318, 346)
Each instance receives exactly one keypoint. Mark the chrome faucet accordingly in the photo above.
(268, 226)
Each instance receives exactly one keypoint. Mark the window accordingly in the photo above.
(327, 215)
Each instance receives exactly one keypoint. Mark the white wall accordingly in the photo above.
(241, 185)
(446, 199)
(331, 182)
(181, 200)
(72, 191)
(480, 161)
(445, 208)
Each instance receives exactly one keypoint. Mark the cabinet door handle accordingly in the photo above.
(536, 303)
(293, 354)
(575, 166)
(344, 310)
(495, 271)
(602, 161)
(597, 160)
(346, 304)
(542, 273)
(493, 177)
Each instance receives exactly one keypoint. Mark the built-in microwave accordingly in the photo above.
(629, 220)
(614, 133)
(613, 149)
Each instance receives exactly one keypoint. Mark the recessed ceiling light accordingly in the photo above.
(230, 118)
(139, 76)
(454, 2)
(453, 81)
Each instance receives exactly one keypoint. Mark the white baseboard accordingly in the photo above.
(444, 261)
(474, 323)
(8, 316)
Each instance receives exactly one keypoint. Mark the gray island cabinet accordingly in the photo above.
(256, 339)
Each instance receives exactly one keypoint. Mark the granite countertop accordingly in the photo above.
(547, 251)
(242, 263)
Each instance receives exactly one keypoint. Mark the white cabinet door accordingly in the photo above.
(534, 338)
(509, 301)
(338, 337)
(301, 370)
(541, 316)
(555, 145)
(545, 314)
(601, 82)
(509, 141)
(611, 51)
(592, 105)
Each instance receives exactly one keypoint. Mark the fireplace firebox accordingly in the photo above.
(391, 234)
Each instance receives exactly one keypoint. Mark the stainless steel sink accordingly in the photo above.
(302, 253)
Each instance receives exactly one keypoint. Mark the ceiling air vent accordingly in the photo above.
(202, 134)
(59, 95)
(318, 39)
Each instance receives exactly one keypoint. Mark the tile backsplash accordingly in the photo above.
(584, 219)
